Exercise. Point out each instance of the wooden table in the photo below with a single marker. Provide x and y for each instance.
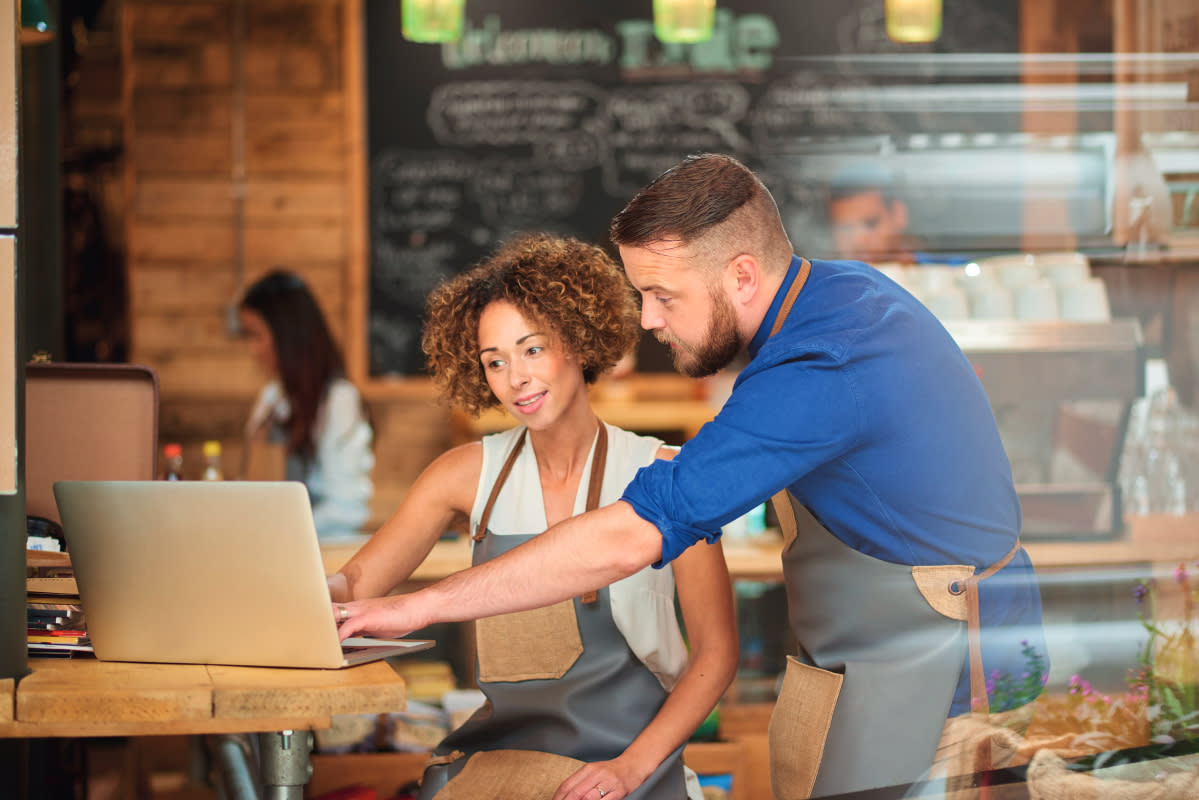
(84, 697)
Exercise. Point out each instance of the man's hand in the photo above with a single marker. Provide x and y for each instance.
(388, 617)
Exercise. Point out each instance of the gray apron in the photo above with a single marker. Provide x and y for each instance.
(881, 647)
(560, 680)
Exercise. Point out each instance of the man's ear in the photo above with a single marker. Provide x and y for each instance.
(743, 278)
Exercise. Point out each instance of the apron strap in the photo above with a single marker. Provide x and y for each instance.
(785, 514)
(781, 502)
(598, 463)
(979, 702)
(481, 529)
(805, 269)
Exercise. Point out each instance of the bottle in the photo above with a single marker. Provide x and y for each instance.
(212, 461)
(173, 456)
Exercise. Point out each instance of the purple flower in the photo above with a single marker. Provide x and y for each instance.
(1140, 592)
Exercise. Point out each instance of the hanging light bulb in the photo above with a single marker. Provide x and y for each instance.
(432, 21)
(912, 21)
(37, 24)
(684, 21)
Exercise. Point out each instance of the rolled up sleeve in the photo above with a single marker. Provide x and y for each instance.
(778, 424)
(650, 494)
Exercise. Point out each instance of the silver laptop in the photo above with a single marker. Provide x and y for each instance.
(206, 572)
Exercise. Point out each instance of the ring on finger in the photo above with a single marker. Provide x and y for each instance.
(601, 791)
(344, 615)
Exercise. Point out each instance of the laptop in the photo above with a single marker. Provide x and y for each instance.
(206, 572)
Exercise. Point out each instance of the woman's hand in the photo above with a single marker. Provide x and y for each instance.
(386, 617)
(609, 780)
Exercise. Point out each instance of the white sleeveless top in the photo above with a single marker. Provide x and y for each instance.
(643, 603)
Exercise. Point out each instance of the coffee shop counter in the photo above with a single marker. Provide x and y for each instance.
(1162, 540)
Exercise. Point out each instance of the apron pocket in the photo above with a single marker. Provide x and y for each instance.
(510, 775)
(539, 644)
(799, 726)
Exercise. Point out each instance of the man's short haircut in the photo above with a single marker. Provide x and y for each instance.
(706, 196)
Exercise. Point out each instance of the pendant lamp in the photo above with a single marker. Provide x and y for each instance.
(37, 23)
(913, 21)
(683, 21)
(432, 21)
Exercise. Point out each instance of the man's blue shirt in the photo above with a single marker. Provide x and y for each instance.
(868, 411)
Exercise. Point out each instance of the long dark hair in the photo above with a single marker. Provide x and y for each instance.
(306, 356)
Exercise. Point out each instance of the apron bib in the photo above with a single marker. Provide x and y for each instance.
(865, 629)
(559, 680)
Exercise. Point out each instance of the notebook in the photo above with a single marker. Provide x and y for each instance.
(206, 572)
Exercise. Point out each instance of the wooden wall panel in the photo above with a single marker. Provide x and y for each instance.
(170, 197)
(182, 66)
(223, 374)
(180, 153)
(300, 67)
(297, 198)
(201, 225)
(191, 240)
(295, 134)
(170, 331)
(180, 287)
(166, 22)
(207, 113)
(290, 242)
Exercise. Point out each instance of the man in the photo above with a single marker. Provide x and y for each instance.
(860, 412)
(868, 219)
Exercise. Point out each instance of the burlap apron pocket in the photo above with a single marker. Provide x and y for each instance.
(510, 775)
(540, 644)
(799, 726)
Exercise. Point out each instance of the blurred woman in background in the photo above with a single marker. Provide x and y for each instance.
(309, 407)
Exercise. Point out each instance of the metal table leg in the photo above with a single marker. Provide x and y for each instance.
(286, 766)
(267, 766)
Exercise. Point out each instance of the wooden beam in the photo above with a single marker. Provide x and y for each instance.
(357, 244)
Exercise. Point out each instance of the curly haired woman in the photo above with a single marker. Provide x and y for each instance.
(605, 680)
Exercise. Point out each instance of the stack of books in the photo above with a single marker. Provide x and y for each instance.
(55, 628)
(55, 624)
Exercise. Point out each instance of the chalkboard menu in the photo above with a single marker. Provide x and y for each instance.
(550, 115)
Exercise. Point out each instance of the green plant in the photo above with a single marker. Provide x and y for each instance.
(1006, 692)
(1169, 670)
(1156, 718)
(1163, 695)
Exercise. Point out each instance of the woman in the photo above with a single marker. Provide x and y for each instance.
(309, 407)
(604, 679)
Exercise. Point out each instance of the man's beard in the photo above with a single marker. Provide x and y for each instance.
(720, 345)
